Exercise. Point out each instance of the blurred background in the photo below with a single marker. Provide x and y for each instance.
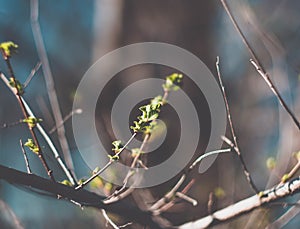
(77, 33)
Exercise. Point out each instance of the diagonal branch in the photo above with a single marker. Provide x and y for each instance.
(246, 205)
(235, 144)
(34, 10)
(83, 197)
(42, 132)
(259, 67)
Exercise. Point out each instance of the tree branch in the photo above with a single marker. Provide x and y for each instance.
(84, 197)
(259, 67)
(246, 205)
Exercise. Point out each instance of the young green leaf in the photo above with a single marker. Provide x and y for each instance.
(117, 146)
(173, 82)
(16, 84)
(158, 100)
(136, 151)
(97, 182)
(285, 177)
(114, 157)
(67, 183)
(219, 192)
(149, 112)
(271, 163)
(8, 47)
(33, 147)
(32, 121)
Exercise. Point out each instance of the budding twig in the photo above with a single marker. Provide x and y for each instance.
(18, 94)
(25, 158)
(259, 67)
(106, 166)
(236, 147)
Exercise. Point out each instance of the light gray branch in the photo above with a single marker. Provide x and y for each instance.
(246, 205)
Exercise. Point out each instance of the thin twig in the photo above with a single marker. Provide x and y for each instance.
(259, 67)
(166, 198)
(293, 171)
(5, 125)
(34, 14)
(199, 159)
(42, 132)
(26, 115)
(120, 196)
(236, 148)
(156, 208)
(186, 198)
(210, 202)
(80, 186)
(67, 117)
(275, 91)
(125, 225)
(77, 204)
(130, 172)
(171, 202)
(25, 158)
(32, 73)
(134, 162)
(108, 220)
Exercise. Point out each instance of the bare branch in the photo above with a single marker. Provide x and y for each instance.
(67, 117)
(199, 159)
(246, 205)
(236, 147)
(108, 220)
(42, 132)
(32, 73)
(18, 93)
(155, 207)
(85, 198)
(25, 158)
(259, 67)
(34, 13)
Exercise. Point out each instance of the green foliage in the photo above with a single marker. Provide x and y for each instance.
(173, 82)
(8, 48)
(261, 194)
(32, 146)
(81, 181)
(96, 170)
(114, 157)
(136, 151)
(67, 183)
(219, 192)
(285, 177)
(117, 146)
(108, 187)
(271, 163)
(150, 112)
(158, 100)
(32, 121)
(96, 183)
(16, 84)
